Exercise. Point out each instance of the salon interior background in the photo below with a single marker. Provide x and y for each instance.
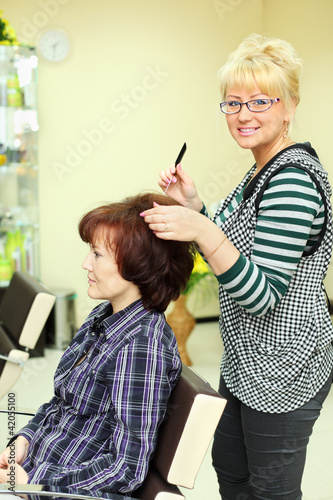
(140, 79)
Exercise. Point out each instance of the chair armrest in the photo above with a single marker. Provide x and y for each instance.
(11, 370)
(16, 361)
(15, 412)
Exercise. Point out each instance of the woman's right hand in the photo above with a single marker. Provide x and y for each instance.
(182, 188)
(21, 449)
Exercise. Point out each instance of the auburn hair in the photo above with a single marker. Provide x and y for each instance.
(159, 268)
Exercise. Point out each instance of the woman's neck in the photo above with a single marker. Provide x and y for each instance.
(262, 156)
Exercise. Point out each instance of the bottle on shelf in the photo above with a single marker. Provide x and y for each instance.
(19, 251)
(10, 247)
(5, 271)
(3, 156)
(29, 254)
(14, 92)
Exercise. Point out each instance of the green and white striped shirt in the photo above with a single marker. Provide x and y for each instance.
(289, 222)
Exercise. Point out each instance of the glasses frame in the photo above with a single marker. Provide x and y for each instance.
(272, 101)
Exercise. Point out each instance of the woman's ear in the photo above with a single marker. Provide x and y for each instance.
(290, 111)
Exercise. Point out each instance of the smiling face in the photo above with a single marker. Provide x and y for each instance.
(263, 132)
(105, 281)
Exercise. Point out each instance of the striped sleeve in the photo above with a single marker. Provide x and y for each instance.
(290, 218)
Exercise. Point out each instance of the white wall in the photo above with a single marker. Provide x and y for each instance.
(116, 45)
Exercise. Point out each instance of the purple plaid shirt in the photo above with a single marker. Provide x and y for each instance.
(99, 430)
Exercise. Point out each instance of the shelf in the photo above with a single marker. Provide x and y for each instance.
(19, 211)
(15, 166)
(15, 108)
(21, 225)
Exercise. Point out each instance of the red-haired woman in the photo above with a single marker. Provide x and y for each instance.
(113, 382)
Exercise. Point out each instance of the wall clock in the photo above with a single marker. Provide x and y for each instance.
(54, 45)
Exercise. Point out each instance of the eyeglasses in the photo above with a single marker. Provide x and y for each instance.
(256, 105)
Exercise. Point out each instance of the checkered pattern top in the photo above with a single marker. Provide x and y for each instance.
(275, 326)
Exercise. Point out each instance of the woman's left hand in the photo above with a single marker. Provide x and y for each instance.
(13, 473)
(176, 223)
(184, 224)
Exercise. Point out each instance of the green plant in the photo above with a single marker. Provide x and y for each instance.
(7, 32)
(200, 271)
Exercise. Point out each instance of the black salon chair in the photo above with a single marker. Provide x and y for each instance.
(24, 309)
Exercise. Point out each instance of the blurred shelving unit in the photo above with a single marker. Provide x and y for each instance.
(19, 227)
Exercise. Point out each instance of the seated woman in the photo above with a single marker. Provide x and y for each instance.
(113, 382)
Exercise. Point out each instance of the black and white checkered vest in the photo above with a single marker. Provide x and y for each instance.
(276, 363)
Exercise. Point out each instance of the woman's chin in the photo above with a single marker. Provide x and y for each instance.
(90, 293)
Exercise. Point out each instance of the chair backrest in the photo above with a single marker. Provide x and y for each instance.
(24, 309)
(194, 411)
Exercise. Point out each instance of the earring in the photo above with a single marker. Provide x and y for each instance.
(286, 131)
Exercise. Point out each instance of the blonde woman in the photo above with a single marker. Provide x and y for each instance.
(269, 245)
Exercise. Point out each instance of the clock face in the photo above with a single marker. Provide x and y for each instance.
(54, 45)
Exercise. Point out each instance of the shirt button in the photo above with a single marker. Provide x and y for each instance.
(93, 334)
(84, 352)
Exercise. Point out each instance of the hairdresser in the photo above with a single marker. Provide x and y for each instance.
(269, 245)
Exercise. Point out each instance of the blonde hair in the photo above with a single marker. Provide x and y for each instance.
(268, 63)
